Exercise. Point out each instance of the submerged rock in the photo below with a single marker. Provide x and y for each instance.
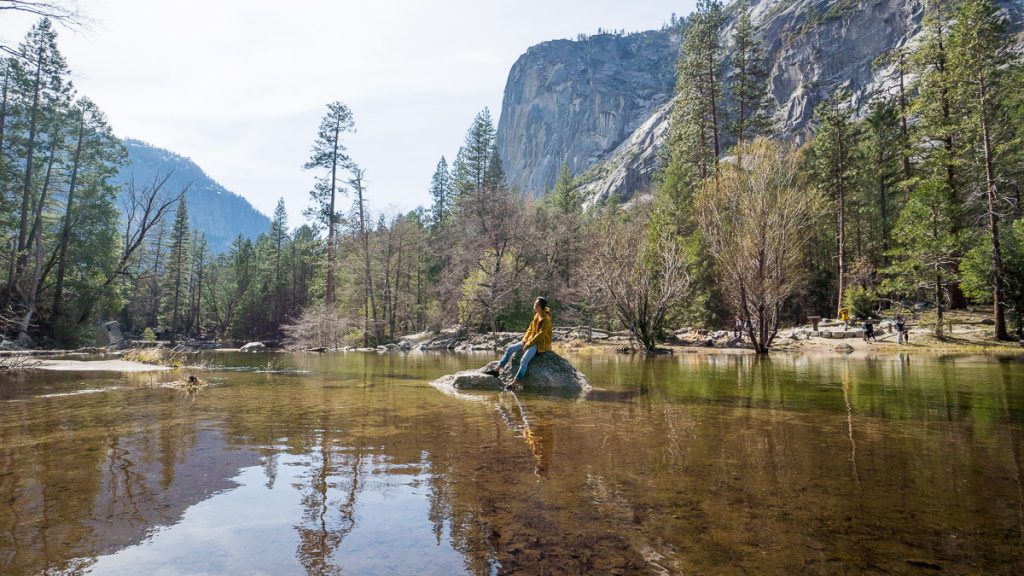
(547, 371)
(470, 380)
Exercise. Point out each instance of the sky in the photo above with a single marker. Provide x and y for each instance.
(240, 86)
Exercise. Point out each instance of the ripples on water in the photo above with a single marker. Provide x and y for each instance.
(322, 464)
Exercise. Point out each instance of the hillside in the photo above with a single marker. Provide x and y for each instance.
(601, 103)
(219, 213)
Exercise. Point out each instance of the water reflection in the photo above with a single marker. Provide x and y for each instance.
(689, 464)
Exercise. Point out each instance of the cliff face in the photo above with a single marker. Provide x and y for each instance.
(575, 102)
(813, 47)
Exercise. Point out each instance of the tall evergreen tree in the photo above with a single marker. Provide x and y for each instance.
(979, 52)
(937, 132)
(564, 196)
(441, 193)
(41, 93)
(833, 152)
(883, 156)
(329, 154)
(178, 269)
(693, 143)
(279, 246)
(473, 164)
(747, 82)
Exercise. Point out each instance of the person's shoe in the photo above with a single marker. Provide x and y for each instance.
(513, 386)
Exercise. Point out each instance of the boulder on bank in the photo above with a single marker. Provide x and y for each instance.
(547, 371)
(254, 347)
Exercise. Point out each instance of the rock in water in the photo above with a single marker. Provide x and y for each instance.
(547, 371)
(254, 347)
(470, 380)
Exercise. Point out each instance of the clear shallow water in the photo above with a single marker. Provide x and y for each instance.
(352, 463)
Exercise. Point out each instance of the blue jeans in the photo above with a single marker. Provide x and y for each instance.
(523, 362)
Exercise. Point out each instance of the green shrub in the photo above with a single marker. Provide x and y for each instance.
(148, 335)
(860, 302)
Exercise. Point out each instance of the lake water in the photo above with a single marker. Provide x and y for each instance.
(352, 463)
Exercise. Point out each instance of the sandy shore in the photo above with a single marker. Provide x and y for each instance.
(124, 366)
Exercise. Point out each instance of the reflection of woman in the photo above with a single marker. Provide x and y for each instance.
(539, 436)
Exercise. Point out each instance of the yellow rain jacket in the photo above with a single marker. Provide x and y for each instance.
(539, 332)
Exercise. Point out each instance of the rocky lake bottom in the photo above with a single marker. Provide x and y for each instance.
(352, 462)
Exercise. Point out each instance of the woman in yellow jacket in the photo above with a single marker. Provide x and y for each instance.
(537, 339)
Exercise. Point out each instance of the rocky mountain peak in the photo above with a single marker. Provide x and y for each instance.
(601, 104)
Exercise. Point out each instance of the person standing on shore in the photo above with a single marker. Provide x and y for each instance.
(869, 331)
(536, 340)
(902, 335)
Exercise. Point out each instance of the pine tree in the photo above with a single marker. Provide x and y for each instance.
(94, 161)
(937, 132)
(473, 163)
(925, 250)
(329, 154)
(200, 252)
(693, 142)
(362, 217)
(40, 95)
(279, 246)
(979, 53)
(440, 194)
(564, 196)
(833, 154)
(177, 269)
(748, 82)
(883, 155)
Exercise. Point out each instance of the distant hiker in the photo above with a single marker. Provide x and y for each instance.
(537, 340)
(737, 328)
(869, 331)
(902, 335)
(844, 317)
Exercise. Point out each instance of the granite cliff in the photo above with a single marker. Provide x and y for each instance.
(576, 101)
(601, 103)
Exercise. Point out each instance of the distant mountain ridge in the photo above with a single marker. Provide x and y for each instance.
(216, 211)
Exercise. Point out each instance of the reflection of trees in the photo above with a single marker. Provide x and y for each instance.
(325, 523)
(1013, 431)
(723, 465)
(80, 476)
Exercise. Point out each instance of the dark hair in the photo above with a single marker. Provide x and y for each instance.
(543, 302)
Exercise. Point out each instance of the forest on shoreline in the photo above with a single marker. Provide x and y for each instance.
(916, 199)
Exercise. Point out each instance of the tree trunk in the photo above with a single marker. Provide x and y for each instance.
(65, 233)
(712, 84)
(329, 292)
(841, 232)
(904, 131)
(998, 306)
(26, 193)
(957, 300)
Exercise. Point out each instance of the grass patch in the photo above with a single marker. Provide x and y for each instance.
(157, 356)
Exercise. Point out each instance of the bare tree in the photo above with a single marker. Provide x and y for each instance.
(756, 226)
(64, 13)
(639, 278)
(143, 208)
(319, 326)
(494, 233)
